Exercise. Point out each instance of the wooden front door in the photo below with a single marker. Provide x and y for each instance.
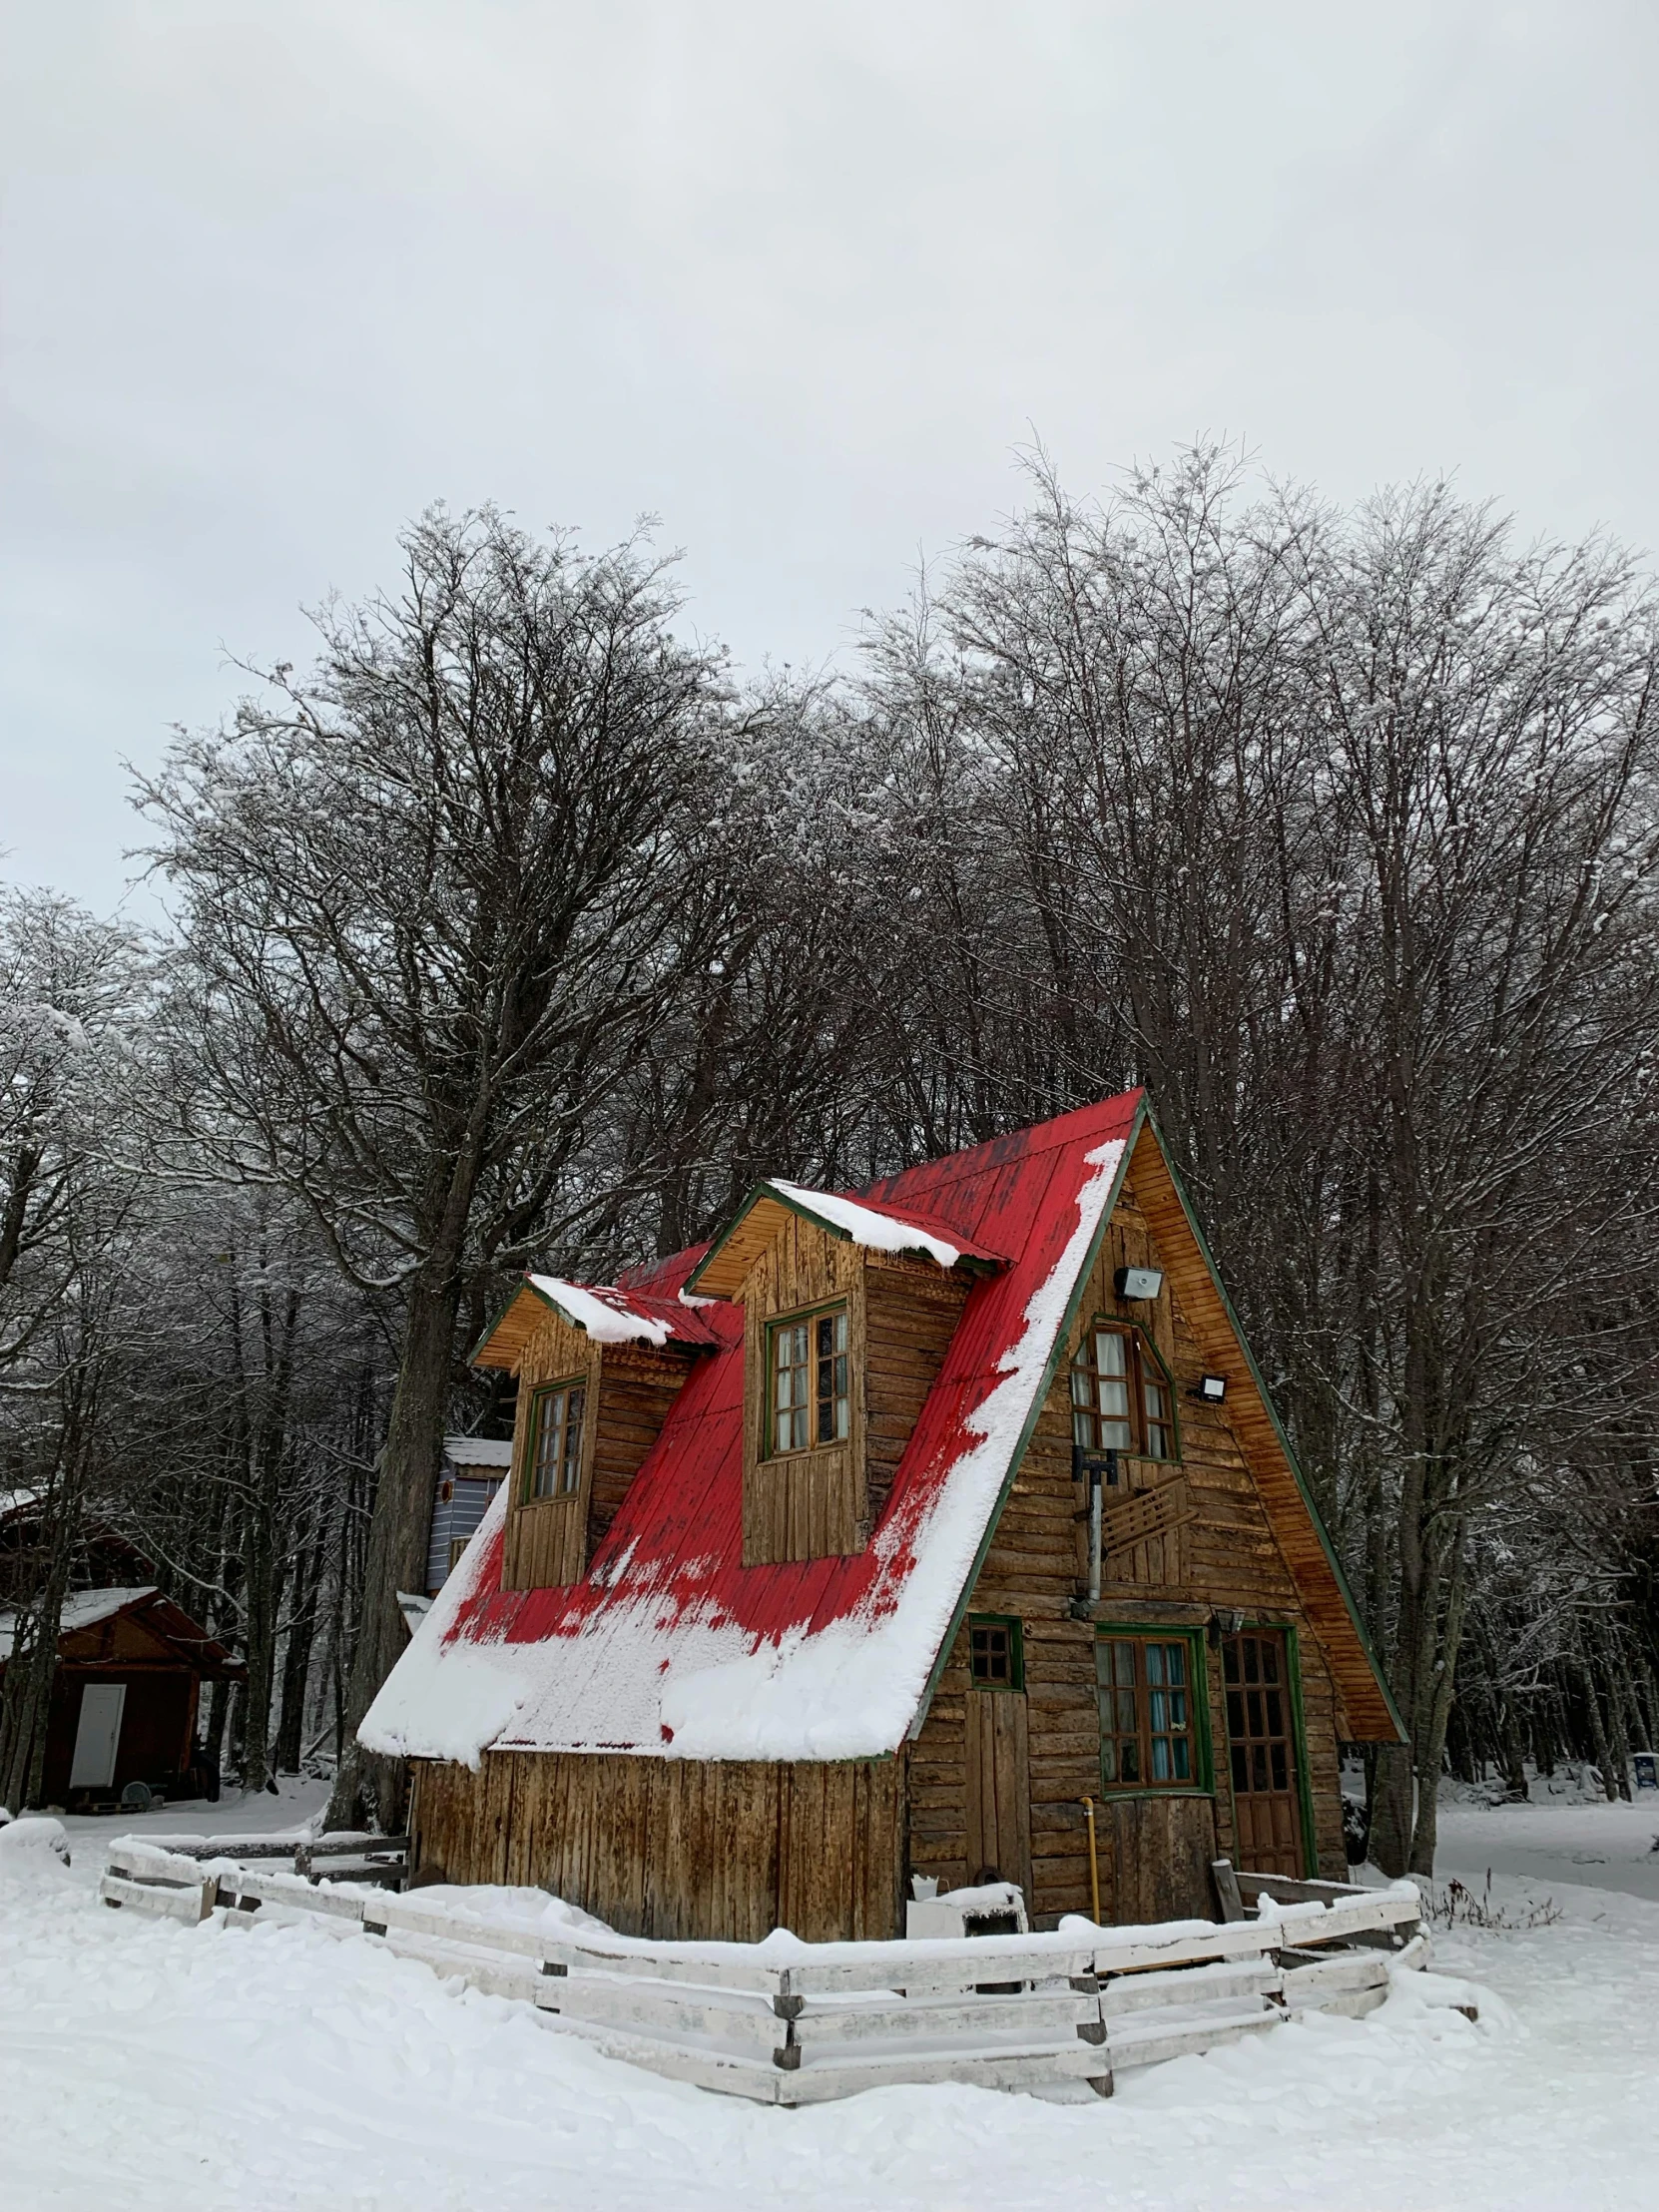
(1000, 1786)
(1261, 1748)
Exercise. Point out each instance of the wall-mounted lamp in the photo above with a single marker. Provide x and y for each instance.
(1138, 1282)
(1212, 1388)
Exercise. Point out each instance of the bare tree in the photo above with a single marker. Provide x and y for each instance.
(427, 903)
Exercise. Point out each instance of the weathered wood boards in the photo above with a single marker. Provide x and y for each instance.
(821, 2021)
(679, 1848)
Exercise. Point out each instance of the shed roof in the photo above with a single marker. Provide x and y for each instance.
(84, 1610)
(671, 1647)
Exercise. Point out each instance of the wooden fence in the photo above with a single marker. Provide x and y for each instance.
(791, 2023)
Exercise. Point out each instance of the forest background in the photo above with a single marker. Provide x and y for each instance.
(523, 927)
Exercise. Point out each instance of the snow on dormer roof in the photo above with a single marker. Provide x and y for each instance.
(872, 1223)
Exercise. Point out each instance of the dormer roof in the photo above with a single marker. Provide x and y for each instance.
(898, 1230)
(605, 1312)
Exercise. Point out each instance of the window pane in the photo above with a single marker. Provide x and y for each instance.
(1281, 1778)
(1270, 1662)
(1123, 1662)
(1129, 1759)
(1182, 1761)
(1109, 1760)
(1160, 1759)
(1155, 1662)
(1252, 1660)
(1126, 1710)
(1230, 1661)
(575, 1403)
(1176, 1658)
(1241, 1770)
(1111, 1352)
(1159, 1702)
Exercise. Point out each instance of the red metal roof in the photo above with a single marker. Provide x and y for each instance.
(671, 1644)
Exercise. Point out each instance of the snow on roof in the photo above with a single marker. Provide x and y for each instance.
(606, 1314)
(870, 1226)
(81, 1609)
(875, 1224)
(670, 1646)
(638, 1311)
(480, 1451)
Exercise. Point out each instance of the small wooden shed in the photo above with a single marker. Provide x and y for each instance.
(126, 1693)
(934, 1529)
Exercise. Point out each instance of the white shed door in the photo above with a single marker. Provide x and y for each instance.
(97, 1735)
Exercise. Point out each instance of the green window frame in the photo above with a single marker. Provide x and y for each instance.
(996, 1652)
(1123, 1397)
(809, 1381)
(553, 1457)
(1150, 1722)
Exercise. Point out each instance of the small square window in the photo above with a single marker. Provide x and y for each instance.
(996, 1658)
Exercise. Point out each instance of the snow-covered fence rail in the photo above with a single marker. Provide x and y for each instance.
(787, 2022)
(346, 1855)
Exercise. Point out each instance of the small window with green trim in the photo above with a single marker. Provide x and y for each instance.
(1150, 1724)
(997, 1653)
(556, 1416)
(809, 1385)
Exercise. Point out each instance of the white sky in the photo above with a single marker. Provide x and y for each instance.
(799, 278)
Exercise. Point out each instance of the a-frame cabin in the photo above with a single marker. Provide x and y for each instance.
(794, 1592)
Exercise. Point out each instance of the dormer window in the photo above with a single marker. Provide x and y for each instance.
(1120, 1397)
(556, 1441)
(811, 1399)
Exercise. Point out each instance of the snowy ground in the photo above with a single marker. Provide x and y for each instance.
(144, 2064)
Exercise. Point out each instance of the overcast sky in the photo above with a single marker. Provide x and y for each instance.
(799, 278)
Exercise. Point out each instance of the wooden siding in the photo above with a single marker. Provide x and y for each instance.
(673, 1847)
(805, 1504)
(629, 1389)
(900, 1315)
(634, 1392)
(1154, 1850)
(911, 1311)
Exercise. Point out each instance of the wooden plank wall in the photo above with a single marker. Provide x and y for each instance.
(911, 1311)
(629, 1389)
(676, 1847)
(811, 1504)
(1154, 1851)
(636, 1387)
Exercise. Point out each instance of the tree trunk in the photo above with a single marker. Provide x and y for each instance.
(399, 1528)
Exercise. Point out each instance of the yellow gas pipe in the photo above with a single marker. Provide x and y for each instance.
(1094, 1860)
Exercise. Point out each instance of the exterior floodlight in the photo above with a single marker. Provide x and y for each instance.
(1138, 1282)
(1212, 1388)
